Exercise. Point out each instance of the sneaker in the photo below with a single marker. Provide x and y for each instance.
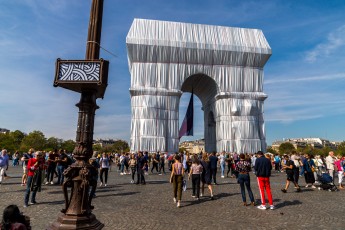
(201, 195)
(283, 190)
(174, 200)
(222, 176)
(132, 181)
(52, 182)
(178, 204)
(307, 186)
(121, 174)
(272, 207)
(262, 207)
(32, 203)
(193, 196)
(105, 185)
(25, 205)
(100, 185)
(47, 182)
(313, 186)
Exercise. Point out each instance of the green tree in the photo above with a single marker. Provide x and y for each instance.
(286, 147)
(35, 139)
(53, 143)
(271, 150)
(7, 142)
(120, 146)
(68, 145)
(17, 137)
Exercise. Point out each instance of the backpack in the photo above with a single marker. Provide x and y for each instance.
(69, 160)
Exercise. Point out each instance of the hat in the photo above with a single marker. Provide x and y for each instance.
(260, 153)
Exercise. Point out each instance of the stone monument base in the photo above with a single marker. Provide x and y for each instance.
(76, 222)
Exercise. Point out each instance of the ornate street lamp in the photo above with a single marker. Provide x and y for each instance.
(88, 77)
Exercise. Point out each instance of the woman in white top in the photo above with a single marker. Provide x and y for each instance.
(104, 163)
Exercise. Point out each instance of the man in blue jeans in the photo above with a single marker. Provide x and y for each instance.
(62, 164)
(213, 166)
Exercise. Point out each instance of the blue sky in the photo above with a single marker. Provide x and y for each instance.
(304, 78)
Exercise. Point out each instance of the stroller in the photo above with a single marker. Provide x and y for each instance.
(326, 182)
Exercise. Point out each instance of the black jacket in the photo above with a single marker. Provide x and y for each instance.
(263, 167)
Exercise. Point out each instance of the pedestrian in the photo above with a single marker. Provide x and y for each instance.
(263, 169)
(35, 168)
(94, 175)
(340, 168)
(176, 178)
(132, 166)
(277, 163)
(13, 219)
(222, 163)
(213, 167)
(161, 164)
(206, 175)
(243, 167)
(295, 157)
(309, 168)
(141, 168)
(25, 160)
(330, 164)
(15, 159)
(4, 161)
(195, 173)
(104, 164)
(155, 162)
(289, 167)
(229, 161)
(62, 164)
(51, 161)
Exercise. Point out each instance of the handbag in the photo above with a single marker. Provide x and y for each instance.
(312, 168)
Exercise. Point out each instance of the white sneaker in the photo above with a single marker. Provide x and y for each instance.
(47, 182)
(121, 174)
(313, 186)
(105, 185)
(200, 194)
(52, 182)
(262, 207)
(175, 200)
(222, 176)
(100, 185)
(178, 204)
(132, 181)
(307, 186)
(272, 207)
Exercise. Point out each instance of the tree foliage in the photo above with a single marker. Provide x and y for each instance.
(286, 147)
(35, 140)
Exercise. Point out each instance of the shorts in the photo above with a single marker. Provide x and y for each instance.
(290, 177)
(25, 169)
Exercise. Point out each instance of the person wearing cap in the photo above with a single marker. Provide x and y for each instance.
(263, 169)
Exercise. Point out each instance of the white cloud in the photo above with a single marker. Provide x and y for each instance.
(335, 40)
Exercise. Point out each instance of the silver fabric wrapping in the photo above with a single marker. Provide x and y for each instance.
(223, 66)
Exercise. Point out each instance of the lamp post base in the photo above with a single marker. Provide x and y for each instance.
(76, 222)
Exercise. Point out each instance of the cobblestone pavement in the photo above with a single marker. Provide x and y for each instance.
(122, 205)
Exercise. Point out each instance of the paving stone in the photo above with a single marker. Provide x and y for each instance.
(122, 205)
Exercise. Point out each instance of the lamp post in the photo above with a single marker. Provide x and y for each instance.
(88, 77)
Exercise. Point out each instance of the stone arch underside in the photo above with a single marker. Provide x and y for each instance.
(163, 56)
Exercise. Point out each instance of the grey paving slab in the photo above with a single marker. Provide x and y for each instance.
(122, 205)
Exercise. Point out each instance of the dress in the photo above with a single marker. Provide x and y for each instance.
(206, 173)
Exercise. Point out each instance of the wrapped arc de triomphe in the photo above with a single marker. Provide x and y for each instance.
(222, 65)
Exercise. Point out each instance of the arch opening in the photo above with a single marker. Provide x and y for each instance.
(205, 88)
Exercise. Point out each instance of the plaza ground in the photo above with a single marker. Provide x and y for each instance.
(122, 205)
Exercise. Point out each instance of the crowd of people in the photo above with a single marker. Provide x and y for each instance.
(41, 168)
